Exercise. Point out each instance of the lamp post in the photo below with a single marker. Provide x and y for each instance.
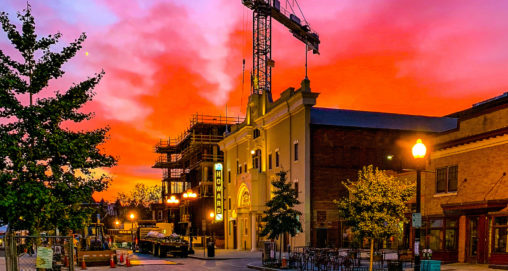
(211, 215)
(131, 218)
(188, 196)
(419, 150)
(172, 202)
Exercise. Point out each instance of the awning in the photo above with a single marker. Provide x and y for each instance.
(474, 207)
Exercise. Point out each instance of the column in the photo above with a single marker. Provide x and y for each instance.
(253, 232)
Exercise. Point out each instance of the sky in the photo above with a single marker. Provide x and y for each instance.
(168, 59)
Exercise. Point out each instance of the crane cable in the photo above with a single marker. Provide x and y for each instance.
(243, 58)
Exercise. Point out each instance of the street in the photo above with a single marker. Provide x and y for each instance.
(225, 260)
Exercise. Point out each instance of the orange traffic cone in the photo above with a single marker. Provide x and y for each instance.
(111, 262)
(121, 259)
(83, 264)
(127, 261)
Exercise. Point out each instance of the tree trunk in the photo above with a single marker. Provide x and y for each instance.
(280, 253)
(11, 255)
(371, 253)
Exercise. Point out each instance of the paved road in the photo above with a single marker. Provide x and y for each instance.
(150, 263)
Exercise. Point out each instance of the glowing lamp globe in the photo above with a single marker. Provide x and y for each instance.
(419, 149)
(212, 214)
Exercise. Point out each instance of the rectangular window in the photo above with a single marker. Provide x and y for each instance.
(296, 151)
(238, 169)
(451, 234)
(447, 179)
(230, 226)
(229, 204)
(245, 167)
(270, 161)
(296, 188)
(500, 234)
(229, 176)
(277, 159)
(436, 234)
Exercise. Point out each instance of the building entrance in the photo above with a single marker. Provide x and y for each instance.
(476, 242)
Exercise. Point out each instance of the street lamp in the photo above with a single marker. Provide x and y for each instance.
(189, 195)
(419, 150)
(131, 217)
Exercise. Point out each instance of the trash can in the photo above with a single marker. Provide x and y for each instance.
(430, 265)
(211, 248)
(394, 266)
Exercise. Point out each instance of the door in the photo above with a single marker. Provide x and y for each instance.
(477, 229)
(321, 237)
(235, 236)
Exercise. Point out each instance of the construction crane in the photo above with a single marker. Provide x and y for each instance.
(262, 63)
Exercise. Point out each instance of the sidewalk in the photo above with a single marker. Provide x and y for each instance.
(225, 254)
(446, 267)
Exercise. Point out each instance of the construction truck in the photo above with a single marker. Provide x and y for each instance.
(94, 246)
(151, 239)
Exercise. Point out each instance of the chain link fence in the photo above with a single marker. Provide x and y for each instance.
(28, 253)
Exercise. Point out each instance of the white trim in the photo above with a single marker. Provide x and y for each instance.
(482, 144)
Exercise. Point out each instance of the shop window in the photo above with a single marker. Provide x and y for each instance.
(446, 179)
(500, 234)
(451, 234)
(435, 235)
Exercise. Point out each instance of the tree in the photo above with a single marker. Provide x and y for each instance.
(47, 171)
(280, 217)
(141, 195)
(376, 205)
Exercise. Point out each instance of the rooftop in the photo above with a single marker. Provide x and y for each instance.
(378, 120)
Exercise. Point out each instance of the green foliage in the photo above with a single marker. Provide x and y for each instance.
(280, 217)
(142, 195)
(47, 171)
(376, 203)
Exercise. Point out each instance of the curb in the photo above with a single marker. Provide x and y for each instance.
(211, 258)
(251, 266)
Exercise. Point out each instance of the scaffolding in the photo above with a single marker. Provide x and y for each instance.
(187, 161)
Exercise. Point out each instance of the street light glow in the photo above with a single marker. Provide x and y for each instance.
(117, 222)
(131, 216)
(212, 214)
(173, 200)
(419, 149)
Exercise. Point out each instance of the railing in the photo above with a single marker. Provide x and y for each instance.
(197, 119)
(343, 259)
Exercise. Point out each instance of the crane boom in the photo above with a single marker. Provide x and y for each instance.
(263, 12)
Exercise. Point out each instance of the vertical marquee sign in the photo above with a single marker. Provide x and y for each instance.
(218, 192)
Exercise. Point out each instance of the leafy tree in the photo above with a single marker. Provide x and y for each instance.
(47, 174)
(280, 217)
(376, 205)
(141, 195)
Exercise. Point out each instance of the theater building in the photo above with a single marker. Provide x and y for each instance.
(319, 148)
(465, 188)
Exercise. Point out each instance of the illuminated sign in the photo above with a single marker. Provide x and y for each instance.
(218, 188)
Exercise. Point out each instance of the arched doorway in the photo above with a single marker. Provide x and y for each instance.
(243, 219)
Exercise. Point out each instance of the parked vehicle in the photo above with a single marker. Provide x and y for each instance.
(152, 240)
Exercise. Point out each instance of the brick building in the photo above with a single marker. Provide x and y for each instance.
(465, 194)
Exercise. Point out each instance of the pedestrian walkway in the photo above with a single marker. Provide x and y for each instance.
(465, 267)
(226, 254)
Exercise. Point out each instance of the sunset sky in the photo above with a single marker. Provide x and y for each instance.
(165, 60)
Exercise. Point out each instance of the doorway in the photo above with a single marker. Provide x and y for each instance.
(235, 237)
(476, 242)
(321, 237)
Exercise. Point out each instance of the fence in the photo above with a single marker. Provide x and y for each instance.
(49, 252)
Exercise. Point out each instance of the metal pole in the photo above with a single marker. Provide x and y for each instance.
(418, 210)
